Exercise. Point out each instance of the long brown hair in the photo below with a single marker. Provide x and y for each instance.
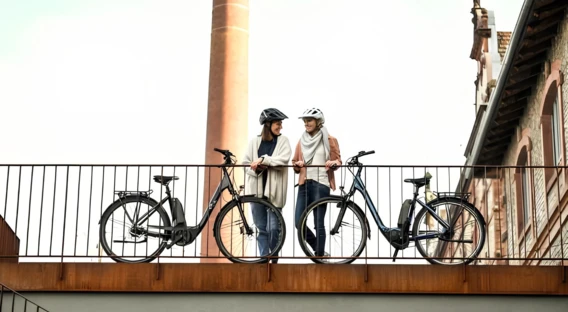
(266, 133)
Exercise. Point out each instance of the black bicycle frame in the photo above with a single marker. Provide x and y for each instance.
(224, 184)
(359, 185)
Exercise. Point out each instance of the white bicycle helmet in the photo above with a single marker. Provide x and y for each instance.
(313, 113)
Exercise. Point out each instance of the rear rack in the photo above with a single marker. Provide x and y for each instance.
(464, 196)
(133, 193)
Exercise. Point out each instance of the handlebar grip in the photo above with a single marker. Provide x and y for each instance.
(363, 153)
(224, 152)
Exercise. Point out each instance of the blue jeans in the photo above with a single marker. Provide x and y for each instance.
(268, 228)
(308, 193)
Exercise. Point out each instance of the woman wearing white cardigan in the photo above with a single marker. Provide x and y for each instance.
(265, 178)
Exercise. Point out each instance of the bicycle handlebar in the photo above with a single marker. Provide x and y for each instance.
(354, 161)
(226, 155)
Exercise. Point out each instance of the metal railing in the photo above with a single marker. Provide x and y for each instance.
(51, 213)
(11, 300)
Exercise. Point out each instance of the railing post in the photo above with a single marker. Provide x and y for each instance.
(158, 269)
(268, 269)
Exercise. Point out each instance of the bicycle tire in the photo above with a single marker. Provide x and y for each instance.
(472, 210)
(121, 257)
(245, 257)
(333, 202)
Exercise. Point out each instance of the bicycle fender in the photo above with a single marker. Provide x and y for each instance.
(120, 199)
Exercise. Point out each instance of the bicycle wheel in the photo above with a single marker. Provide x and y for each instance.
(123, 241)
(239, 246)
(462, 243)
(343, 246)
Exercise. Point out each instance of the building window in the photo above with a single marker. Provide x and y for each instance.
(524, 186)
(526, 190)
(552, 126)
(556, 146)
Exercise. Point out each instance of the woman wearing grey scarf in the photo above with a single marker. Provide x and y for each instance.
(316, 158)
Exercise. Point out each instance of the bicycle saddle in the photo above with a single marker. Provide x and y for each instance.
(164, 179)
(418, 182)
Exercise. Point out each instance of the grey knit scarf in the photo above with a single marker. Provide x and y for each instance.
(309, 144)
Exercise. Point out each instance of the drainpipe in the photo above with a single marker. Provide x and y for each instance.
(495, 101)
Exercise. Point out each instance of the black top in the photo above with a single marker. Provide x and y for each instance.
(267, 148)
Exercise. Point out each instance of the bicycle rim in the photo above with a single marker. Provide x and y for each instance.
(341, 247)
(462, 245)
(125, 243)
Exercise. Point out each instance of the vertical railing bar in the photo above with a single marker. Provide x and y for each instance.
(184, 205)
(376, 206)
(13, 295)
(390, 210)
(41, 210)
(6, 199)
(124, 213)
(525, 254)
(449, 217)
(29, 210)
(499, 205)
(18, 200)
(53, 211)
(149, 187)
(172, 208)
(438, 189)
(135, 217)
(171, 216)
(113, 199)
(548, 225)
(293, 212)
(486, 201)
(560, 228)
(99, 254)
(401, 184)
(65, 214)
(511, 211)
(77, 216)
(90, 206)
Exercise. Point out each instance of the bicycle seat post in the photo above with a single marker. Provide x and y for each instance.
(168, 192)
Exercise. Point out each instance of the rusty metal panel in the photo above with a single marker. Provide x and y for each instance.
(9, 243)
(291, 278)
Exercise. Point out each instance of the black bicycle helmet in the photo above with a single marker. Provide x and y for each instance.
(271, 114)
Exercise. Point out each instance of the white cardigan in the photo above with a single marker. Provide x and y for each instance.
(277, 181)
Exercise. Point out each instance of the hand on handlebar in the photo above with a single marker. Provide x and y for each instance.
(331, 164)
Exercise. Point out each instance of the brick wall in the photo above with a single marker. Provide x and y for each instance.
(531, 121)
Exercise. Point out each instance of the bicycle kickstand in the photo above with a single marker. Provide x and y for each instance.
(394, 255)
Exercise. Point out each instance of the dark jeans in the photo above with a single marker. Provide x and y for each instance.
(307, 194)
(268, 228)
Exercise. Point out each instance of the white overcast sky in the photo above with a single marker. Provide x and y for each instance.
(112, 81)
(126, 82)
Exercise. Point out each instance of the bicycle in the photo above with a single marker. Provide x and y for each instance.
(444, 220)
(138, 217)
